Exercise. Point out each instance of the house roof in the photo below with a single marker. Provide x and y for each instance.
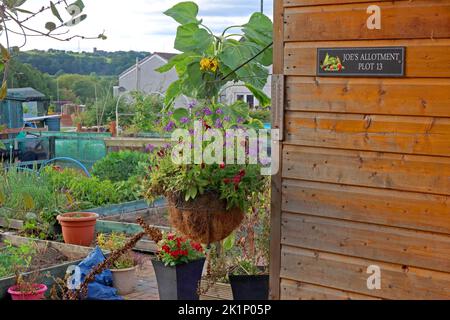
(166, 56)
(26, 94)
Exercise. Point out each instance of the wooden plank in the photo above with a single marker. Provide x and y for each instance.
(75, 254)
(278, 105)
(293, 290)
(218, 291)
(399, 134)
(400, 20)
(275, 218)
(389, 244)
(103, 226)
(424, 58)
(350, 274)
(11, 224)
(304, 3)
(418, 97)
(370, 169)
(384, 207)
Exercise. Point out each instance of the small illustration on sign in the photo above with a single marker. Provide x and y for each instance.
(361, 62)
(332, 64)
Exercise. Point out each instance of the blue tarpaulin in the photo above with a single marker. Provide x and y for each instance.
(102, 288)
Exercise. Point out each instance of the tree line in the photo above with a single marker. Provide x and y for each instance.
(100, 62)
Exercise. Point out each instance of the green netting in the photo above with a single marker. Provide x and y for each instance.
(87, 148)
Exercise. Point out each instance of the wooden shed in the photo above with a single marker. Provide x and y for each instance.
(363, 193)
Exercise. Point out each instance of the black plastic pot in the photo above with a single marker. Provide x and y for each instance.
(180, 282)
(250, 287)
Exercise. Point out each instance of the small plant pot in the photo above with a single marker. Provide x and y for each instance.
(204, 219)
(38, 294)
(78, 228)
(124, 280)
(250, 287)
(180, 282)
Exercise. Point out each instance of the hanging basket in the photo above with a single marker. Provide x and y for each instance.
(204, 219)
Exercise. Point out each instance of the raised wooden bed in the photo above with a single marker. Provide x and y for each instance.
(219, 291)
(75, 255)
(126, 208)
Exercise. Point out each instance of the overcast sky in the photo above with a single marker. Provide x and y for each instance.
(139, 24)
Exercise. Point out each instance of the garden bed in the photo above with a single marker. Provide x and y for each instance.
(54, 258)
(155, 214)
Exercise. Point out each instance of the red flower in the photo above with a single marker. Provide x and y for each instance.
(237, 180)
(222, 166)
(171, 236)
(166, 248)
(206, 125)
(197, 246)
(242, 173)
(226, 181)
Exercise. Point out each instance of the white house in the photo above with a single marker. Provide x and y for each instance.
(143, 77)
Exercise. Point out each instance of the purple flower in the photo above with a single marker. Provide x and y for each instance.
(265, 161)
(150, 148)
(170, 113)
(227, 119)
(170, 126)
(219, 111)
(192, 104)
(240, 120)
(207, 111)
(197, 114)
(218, 124)
(191, 132)
(184, 120)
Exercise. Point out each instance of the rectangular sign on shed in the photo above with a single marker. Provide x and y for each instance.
(361, 62)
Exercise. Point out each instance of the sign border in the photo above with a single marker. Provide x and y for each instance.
(372, 75)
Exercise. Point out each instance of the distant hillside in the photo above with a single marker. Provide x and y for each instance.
(100, 62)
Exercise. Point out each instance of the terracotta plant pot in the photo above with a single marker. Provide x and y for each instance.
(78, 227)
(124, 280)
(38, 294)
(179, 282)
(204, 219)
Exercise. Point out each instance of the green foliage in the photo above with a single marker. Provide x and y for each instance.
(233, 183)
(261, 115)
(92, 192)
(115, 241)
(15, 258)
(208, 61)
(147, 113)
(120, 166)
(100, 62)
(21, 196)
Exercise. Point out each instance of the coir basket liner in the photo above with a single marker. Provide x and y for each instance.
(204, 219)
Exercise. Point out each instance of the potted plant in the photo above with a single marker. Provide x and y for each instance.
(124, 268)
(178, 267)
(20, 260)
(206, 202)
(27, 289)
(242, 259)
(78, 227)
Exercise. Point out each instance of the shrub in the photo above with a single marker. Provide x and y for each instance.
(92, 192)
(119, 166)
